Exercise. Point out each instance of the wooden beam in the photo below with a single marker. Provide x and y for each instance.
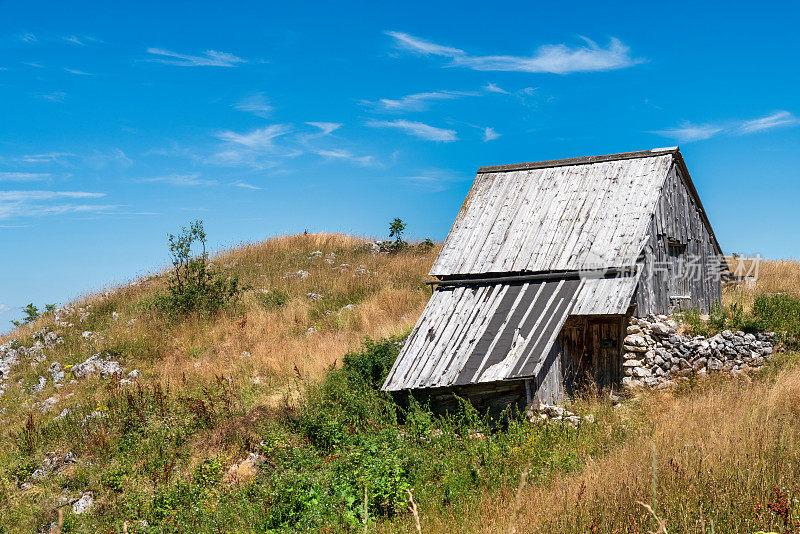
(555, 275)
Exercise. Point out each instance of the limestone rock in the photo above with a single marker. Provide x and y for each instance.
(84, 504)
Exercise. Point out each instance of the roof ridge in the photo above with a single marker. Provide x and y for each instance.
(583, 160)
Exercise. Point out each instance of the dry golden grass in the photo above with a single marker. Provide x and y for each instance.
(774, 276)
(721, 449)
(266, 340)
(386, 293)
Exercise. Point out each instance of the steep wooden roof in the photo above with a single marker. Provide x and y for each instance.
(560, 215)
(484, 332)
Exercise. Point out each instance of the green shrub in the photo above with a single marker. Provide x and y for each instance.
(426, 245)
(396, 228)
(275, 298)
(193, 285)
(31, 314)
(373, 363)
(734, 317)
(780, 313)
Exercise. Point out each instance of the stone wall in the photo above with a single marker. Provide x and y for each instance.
(657, 356)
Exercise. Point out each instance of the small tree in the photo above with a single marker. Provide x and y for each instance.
(31, 314)
(396, 228)
(193, 285)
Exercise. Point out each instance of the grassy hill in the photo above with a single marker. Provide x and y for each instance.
(267, 417)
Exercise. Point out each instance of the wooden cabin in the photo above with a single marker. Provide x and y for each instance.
(542, 269)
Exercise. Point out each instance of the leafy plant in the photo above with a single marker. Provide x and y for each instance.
(396, 229)
(31, 314)
(426, 245)
(193, 285)
(275, 298)
(780, 313)
(734, 317)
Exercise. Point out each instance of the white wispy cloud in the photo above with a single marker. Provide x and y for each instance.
(24, 176)
(55, 96)
(325, 128)
(81, 40)
(773, 120)
(36, 203)
(494, 88)
(245, 185)
(551, 58)
(688, 132)
(28, 38)
(346, 155)
(210, 58)
(194, 180)
(432, 180)
(56, 209)
(275, 145)
(78, 72)
(256, 149)
(416, 101)
(314, 143)
(4, 308)
(181, 180)
(490, 134)
(110, 157)
(258, 139)
(16, 196)
(49, 157)
(418, 129)
(257, 104)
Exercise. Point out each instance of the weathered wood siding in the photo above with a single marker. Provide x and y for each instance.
(592, 351)
(677, 220)
(492, 398)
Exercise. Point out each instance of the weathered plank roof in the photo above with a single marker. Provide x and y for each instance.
(573, 214)
(605, 296)
(488, 332)
(482, 333)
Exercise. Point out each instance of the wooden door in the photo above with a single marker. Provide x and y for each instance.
(605, 344)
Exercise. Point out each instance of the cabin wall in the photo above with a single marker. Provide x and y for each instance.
(493, 397)
(677, 221)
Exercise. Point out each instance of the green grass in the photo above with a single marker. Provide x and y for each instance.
(343, 438)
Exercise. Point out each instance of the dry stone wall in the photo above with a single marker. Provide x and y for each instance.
(657, 356)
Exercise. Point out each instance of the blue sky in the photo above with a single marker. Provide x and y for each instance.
(121, 121)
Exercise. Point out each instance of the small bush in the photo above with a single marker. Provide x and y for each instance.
(275, 298)
(780, 313)
(31, 314)
(193, 285)
(734, 317)
(374, 361)
(426, 245)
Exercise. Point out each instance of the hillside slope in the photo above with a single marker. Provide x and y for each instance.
(267, 418)
(313, 298)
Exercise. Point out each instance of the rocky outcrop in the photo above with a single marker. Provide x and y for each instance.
(96, 365)
(547, 413)
(656, 355)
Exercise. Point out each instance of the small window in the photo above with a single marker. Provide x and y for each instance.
(679, 270)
